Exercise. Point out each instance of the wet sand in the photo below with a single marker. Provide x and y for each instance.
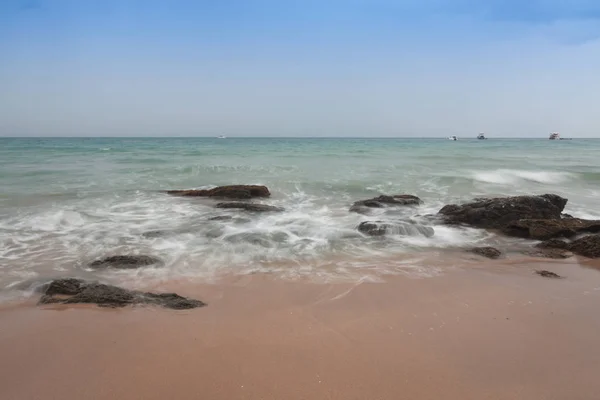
(497, 331)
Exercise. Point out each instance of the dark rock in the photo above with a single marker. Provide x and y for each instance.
(154, 234)
(68, 286)
(385, 201)
(251, 207)
(543, 229)
(496, 213)
(553, 244)
(558, 254)
(547, 274)
(378, 228)
(77, 291)
(124, 262)
(221, 218)
(240, 192)
(587, 246)
(373, 228)
(489, 252)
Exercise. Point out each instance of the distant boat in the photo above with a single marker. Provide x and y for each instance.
(554, 136)
(453, 137)
(481, 136)
(221, 137)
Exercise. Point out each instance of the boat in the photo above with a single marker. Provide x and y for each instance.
(453, 137)
(554, 136)
(221, 137)
(481, 136)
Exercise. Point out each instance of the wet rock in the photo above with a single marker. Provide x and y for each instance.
(68, 286)
(124, 262)
(154, 234)
(379, 228)
(385, 201)
(553, 244)
(77, 291)
(557, 254)
(547, 274)
(254, 207)
(587, 246)
(373, 228)
(489, 252)
(497, 213)
(221, 218)
(240, 192)
(543, 229)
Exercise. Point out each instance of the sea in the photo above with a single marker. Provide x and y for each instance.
(65, 202)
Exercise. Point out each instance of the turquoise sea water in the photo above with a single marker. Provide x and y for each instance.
(67, 201)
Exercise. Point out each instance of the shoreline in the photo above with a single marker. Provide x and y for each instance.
(494, 331)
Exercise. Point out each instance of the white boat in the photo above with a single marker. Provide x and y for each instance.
(554, 136)
(453, 137)
(481, 136)
(221, 137)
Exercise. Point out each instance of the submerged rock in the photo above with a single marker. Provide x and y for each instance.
(543, 229)
(379, 228)
(553, 244)
(587, 246)
(240, 192)
(78, 291)
(489, 252)
(251, 207)
(155, 234)
(547, 274)
(549, 253)
(497, 213)
(125, 262)
(221, 218)
(385, 201)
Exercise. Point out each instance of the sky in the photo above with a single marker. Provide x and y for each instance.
(368, 68)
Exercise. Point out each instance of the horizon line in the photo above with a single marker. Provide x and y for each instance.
(281, 137)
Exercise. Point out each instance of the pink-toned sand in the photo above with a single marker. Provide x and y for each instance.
(495, 332)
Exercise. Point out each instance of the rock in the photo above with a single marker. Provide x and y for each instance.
(547, 274)
(587, 246)
(543, 229)
(240, 192)
(553, 244)
(558, 254)
(251, 207)
(68, 286)
(154, 234)
(221, 218)
(385, 201)
(496, 213)
(124, 262)
(79, 291)
(378, 228)
(553, 248)
(489, 252)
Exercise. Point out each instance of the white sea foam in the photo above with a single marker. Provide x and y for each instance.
(512, 177)
(67, 206)
(308, 239)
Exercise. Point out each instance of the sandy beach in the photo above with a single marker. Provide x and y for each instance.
(497, 331)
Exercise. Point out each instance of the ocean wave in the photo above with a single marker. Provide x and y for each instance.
(511, 176)
(66, 237)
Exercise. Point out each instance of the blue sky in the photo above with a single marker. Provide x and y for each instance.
(299, 68)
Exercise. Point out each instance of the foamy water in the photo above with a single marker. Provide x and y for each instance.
(67, 202)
